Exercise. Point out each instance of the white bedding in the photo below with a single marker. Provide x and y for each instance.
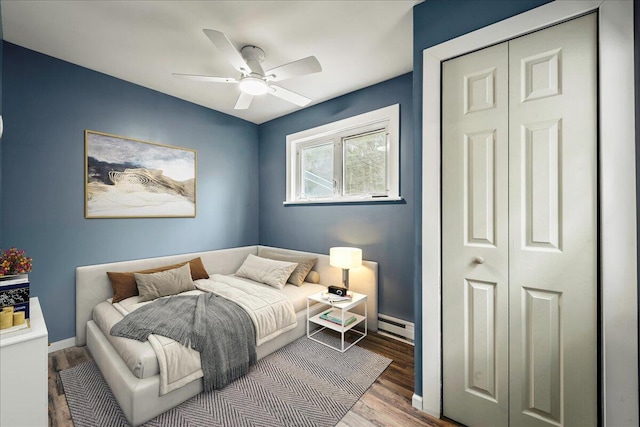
(178, 365)
(273, 314)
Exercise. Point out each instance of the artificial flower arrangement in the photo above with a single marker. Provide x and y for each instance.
(14, 261)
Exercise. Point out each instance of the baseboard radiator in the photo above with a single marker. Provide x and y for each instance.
(395, 328)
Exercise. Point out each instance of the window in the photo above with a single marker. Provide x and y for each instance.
(352, 160)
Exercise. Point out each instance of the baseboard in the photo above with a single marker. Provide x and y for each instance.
(61, 345)
(416, 402)
(396, 328)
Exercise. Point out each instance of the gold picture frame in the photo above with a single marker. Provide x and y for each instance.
(130, 178)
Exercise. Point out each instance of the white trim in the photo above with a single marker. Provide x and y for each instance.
(431, 238)
(61, 345)
(618, 232)
(344, 200)
(416, 402)
(389, 116)
(618, 246)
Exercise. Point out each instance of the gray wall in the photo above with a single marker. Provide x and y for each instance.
(48, 104)
(383, 231)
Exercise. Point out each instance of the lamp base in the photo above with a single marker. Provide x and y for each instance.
(345, 278)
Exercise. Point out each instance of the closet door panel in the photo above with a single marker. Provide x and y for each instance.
(553, 226)
(475, 240)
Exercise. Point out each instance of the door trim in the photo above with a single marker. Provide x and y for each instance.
(617, 198)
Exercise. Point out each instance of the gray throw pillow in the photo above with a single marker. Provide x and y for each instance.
(164, 283)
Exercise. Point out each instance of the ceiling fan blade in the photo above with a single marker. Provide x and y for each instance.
(301, 67)
(244, 101)
(287, 95)
(211, 79)
(223, 44)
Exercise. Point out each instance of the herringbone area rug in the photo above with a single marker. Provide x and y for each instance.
(302, 384)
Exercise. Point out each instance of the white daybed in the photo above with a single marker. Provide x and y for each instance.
(139, 395)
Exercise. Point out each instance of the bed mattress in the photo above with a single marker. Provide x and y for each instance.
(140, 357)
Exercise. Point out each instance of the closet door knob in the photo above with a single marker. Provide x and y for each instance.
(478, 260)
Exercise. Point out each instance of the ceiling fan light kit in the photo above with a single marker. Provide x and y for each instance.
(254, 80)
(253, 85)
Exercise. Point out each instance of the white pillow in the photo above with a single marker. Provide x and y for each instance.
(164, 283)
(268, 271)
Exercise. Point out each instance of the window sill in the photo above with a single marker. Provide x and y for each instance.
(346, 201)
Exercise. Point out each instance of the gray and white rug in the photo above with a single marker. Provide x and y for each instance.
(302, 384)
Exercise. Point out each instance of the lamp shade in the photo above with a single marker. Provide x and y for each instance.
(345, 258)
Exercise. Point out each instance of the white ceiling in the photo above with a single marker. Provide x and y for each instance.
(358, 43)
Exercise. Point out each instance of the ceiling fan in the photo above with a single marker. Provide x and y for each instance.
(254, 80)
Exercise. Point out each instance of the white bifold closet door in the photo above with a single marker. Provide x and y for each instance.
(519, 222)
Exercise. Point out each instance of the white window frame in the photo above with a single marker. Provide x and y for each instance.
(384, 118)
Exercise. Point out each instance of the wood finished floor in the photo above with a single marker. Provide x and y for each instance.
(387, 403)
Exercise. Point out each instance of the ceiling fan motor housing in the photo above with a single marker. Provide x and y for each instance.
(253, 56)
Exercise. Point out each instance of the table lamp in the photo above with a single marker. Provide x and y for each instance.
(346, 259)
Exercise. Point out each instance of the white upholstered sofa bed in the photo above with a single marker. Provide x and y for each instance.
(136, 383)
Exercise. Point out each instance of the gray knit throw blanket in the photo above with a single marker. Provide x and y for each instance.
(218, 328)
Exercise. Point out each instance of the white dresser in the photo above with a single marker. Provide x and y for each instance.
(23, 374)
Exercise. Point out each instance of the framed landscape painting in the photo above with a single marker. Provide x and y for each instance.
(128, 178)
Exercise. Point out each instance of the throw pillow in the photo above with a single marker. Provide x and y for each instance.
(313, 277)
(305, 264)
(124, 283)
(268, 271)
(164, 283)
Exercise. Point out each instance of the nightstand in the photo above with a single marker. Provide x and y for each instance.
(340, 310)
(24, 373)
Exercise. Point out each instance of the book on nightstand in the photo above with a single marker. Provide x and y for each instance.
(331, 316)
(335, 298)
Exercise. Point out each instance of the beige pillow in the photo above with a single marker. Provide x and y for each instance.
(164, 283)
(124, 284)
(268, 271)
(305, 264)
(313, 277)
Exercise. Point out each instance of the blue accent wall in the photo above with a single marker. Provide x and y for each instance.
(434, 22)
(48, 104)
(383, 231)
